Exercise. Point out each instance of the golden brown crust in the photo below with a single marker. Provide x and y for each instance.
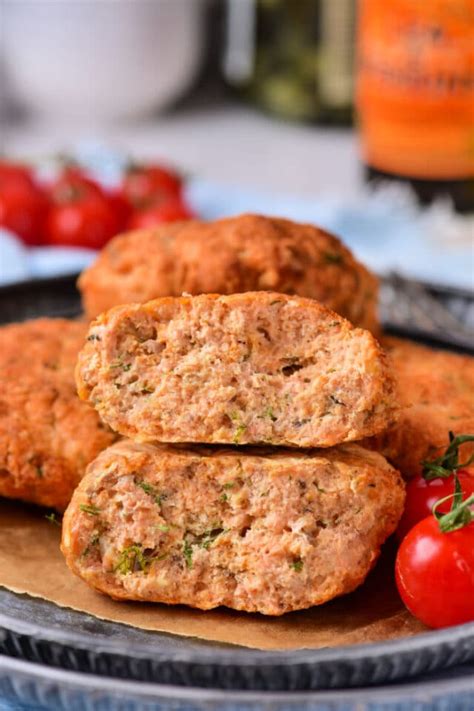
(133, 267)
(245, 253)
(243, 368)
(47, 435)
(266, 531)
(437, 388)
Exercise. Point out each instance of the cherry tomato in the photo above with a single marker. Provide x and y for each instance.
(17, 171)
(166, 211)
(23, 207)
(121, 208)
(73, 184)
(423, 494)
(145, 184)
(87, 222)
(435, 573)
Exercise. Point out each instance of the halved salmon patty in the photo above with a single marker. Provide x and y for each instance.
(248, 368)
(260, 531)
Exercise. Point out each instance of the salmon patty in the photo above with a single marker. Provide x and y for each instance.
(257, 531)
(233, 255)
(132, 267)
(242, 369)
(437, 390)
(47, 435)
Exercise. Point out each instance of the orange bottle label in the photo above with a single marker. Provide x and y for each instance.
(415, 87)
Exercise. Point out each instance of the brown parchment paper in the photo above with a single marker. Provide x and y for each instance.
(31, 562)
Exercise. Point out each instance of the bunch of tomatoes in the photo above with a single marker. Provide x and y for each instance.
(76, 211)
(434, 569)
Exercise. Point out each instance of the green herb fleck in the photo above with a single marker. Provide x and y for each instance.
(297, 565)
(229, 485)
(238, 433)
(134, 559)
(151, 491)
(90, 509)
(92, 543)
(120, 364)
(269, 413)
(147, 488)
(236, 418)
(203, 540)
(333, 258)
(52, 518)
(208, 537)
(164, 528)
(188, 553)
(34, 461)
(223, 497)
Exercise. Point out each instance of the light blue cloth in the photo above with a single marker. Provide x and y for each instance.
(385, 229)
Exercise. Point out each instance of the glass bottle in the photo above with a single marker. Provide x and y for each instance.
(294, 58)
(415, 95)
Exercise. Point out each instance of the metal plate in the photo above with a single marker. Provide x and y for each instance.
(39, 631)
(30, 687)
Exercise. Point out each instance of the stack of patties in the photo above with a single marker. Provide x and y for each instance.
(219, 495)
(253, 253)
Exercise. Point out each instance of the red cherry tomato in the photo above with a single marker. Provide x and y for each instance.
(121, 208)
(87, 222)
(423, 494)
(435, 573)
(167, 211)
(23, 207)
(73, 184)
(17, 171)
(145, 184)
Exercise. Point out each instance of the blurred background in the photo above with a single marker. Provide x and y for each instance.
(358, 116)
